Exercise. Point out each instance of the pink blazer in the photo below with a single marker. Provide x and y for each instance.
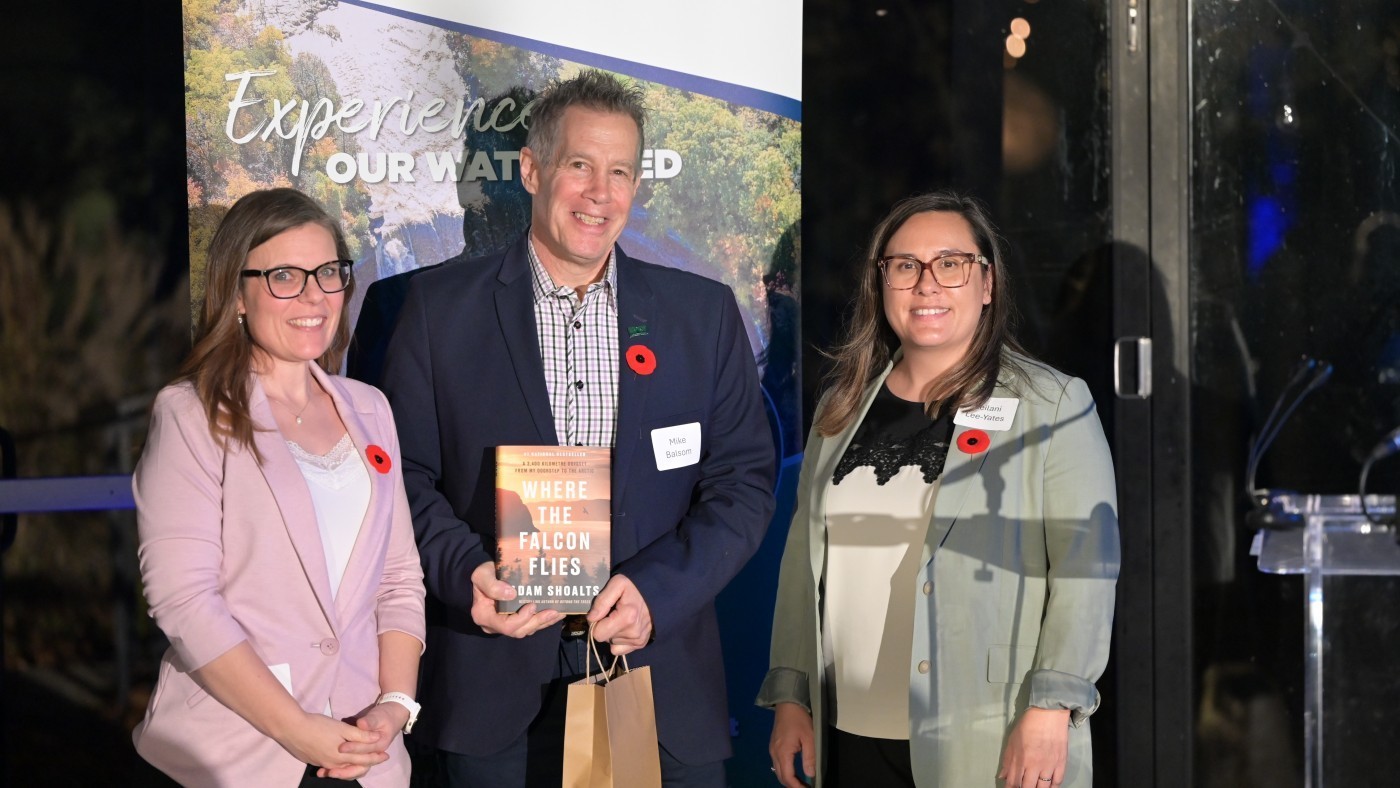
(230, 551)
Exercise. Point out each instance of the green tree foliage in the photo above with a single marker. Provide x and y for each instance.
(200, 18)
(204, 220)
(739, 190)
(491, 69)
(220, 42)
(226, 170)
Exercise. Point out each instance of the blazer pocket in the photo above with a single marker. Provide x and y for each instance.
(171, 683)
(1009, 664)
(162, 681)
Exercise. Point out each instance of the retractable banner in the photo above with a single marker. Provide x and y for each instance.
(405, 119)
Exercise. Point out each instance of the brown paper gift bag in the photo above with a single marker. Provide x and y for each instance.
(610, 728)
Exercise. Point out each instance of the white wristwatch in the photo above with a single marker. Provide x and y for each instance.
(408, 703)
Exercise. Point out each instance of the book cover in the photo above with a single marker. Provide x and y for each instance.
(553, 525)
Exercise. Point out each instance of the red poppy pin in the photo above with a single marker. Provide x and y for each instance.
(641, 359)
(973, 442)
(378, 458)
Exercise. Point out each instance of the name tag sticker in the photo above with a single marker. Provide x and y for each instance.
(996, 415)
(676, 447)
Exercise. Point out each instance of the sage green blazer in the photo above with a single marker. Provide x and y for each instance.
(1015, 596)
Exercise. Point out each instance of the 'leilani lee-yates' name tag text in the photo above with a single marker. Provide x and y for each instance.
(996, 415)
(676, 447)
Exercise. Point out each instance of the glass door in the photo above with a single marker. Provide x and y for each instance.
(1011, 101)
(1293, 269)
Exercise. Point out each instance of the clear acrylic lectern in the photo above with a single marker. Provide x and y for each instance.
(1352, 673)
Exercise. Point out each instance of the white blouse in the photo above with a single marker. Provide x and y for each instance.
(875, 539)
(879, 502)
(339, 484)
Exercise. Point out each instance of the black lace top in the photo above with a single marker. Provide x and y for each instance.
(894, 434)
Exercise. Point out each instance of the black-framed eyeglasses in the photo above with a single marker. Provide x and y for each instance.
(902, 271)
(289, 281)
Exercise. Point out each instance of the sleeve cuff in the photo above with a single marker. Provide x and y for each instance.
(785, 685)
(407, 628)
(1051, 689)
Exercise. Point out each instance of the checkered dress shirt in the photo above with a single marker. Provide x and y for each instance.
(578, 346)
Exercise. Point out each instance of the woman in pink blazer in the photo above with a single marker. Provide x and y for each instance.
(276, 544)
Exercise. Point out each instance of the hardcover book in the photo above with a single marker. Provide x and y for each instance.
(553, 525)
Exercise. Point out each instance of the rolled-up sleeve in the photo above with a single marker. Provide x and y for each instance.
(400, 603)
(178, 487)
(1082, 546)
(793, 650)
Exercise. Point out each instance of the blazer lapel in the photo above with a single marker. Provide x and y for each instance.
(963, 470)
(515, 311)
(360, 425)
(293, 498)
(635, 302)
(827, 458)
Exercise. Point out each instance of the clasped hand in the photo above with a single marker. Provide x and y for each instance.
(341, 751)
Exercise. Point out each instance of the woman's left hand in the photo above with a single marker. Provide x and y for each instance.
(1037, 750)
(385, 719)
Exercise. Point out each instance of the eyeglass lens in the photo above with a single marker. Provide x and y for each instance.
(903, 272)
(289, 281)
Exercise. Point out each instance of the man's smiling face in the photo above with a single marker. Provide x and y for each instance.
(583, 197)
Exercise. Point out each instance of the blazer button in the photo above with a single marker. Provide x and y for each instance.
(923, 666)
(928, 588)
(329, 646)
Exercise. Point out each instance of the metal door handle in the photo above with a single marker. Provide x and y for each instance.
(1144, 368)
(1132, 26)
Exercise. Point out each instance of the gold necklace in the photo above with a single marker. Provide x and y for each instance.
(296, 415)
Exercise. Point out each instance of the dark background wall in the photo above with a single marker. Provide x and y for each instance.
(93, 312)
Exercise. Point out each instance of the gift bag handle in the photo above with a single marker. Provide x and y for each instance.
(592, 651)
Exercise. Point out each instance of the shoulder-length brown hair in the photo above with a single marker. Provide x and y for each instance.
(868, 343)
(221, 361)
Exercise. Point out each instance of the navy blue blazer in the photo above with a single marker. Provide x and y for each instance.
(379, 313)
(463, 375)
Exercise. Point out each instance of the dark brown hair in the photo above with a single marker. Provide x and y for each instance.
(591, 89)
(221, 361)
(868, 342)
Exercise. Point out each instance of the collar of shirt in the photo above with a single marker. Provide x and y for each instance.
(545, 287)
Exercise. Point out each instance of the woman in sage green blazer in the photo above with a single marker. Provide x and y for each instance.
(984, 479)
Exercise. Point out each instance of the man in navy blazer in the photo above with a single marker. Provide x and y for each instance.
(507, 349)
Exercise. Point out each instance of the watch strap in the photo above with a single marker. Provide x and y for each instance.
(407, 702)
